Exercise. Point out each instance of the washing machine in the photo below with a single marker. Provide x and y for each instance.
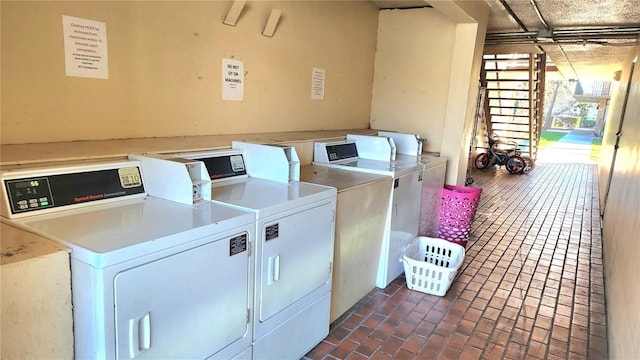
(404, 210)
(151, 278)
(295, 224)
(409, 149)
(361, 219)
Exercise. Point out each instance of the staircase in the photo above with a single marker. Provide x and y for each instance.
(515, 94)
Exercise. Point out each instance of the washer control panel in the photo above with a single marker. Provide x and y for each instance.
(28, 194)
(31, 191)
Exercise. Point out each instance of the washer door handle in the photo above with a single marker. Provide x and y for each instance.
(139, 334)
(274, 269)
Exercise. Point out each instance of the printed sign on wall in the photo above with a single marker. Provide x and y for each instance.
(232, 79)
(317, 84)
(85, 48)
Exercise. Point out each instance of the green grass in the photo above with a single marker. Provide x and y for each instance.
(595, 149)
(548, 137)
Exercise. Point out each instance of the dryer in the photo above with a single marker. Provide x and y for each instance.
(404, 210)
(150, 278)
(295, 224)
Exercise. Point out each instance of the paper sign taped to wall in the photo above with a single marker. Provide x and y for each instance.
(85, 48)
(232, 79)
(317, 84)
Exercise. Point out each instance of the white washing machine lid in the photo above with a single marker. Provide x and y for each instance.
(105, 235)
(340, 179)
(426, 160)
(266, 197)
(432, 161)
(389, 168)
(407, 159)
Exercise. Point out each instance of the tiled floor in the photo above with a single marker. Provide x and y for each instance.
(531, 285)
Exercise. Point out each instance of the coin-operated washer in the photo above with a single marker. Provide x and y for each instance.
(294, 243)
(151, 278)
(404, 210)
(409, 149)
(361, 219)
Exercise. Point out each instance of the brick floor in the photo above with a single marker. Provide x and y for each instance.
(531, 285)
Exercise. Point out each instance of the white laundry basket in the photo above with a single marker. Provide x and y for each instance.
(430, 264)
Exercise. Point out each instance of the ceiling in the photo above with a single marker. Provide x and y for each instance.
(586, 39)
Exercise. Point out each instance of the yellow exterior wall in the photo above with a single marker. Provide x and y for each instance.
(621, 222)
(165, 69)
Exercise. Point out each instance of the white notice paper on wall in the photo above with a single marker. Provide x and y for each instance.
(232, 79)
(85, 48)
(317, 84)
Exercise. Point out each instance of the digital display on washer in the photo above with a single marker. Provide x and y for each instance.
(42, 192)
(220, 167)
(341, 151)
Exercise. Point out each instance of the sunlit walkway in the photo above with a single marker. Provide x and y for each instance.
(575, 147)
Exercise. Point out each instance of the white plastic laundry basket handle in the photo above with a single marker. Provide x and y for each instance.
(463, 256)
(404, 249)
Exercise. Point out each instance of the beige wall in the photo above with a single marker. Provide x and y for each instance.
(165, 69)
(621, 222)
(426, 76)
(165, 66)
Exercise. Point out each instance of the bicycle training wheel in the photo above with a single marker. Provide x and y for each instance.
(515, 165)
(482, 161)
(530, 164)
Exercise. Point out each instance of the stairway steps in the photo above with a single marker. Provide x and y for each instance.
(509, 99)
(507, 89)
(509, 107)
(503, 75)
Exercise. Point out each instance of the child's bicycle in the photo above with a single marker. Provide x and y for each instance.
(529, 163)
(510, 157)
